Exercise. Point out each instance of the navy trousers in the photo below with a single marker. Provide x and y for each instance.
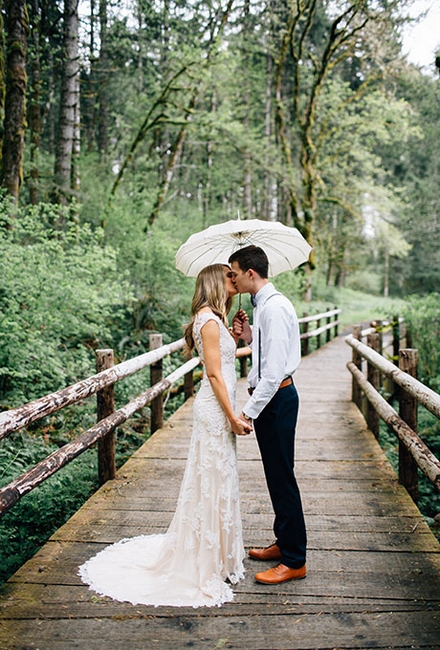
(275, 431)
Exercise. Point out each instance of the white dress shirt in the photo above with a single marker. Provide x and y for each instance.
(275, 319)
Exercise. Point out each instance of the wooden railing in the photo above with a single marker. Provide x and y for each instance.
(331, 323)
(413, 452)
(102, 385)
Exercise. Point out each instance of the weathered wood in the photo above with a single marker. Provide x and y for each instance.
(425, 396)
(318, 331)
(357, 361)
(425, 459)
(11, 493)
(23, 415)
(408, 473)
(310, 319)
(291, 629)
(156, 375)
(105, 406)
(396, 339)
(373, 377)
(242, 354)
(328, 321)
(304, 335)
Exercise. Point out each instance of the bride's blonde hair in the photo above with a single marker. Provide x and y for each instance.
(210, 291)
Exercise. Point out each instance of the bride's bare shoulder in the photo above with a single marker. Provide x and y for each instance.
(204, 310)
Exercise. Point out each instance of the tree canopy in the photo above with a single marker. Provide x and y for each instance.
(159, 118)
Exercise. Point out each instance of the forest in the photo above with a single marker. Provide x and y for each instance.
(128, 125)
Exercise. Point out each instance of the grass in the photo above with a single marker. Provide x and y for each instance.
(358, 307)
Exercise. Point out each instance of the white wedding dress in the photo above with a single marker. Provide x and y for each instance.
(203, 547)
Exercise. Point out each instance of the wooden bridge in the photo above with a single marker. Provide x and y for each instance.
(373, 564)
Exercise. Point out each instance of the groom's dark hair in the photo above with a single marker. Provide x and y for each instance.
(251, 257)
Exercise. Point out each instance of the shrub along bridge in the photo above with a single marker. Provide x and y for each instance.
(373, 564)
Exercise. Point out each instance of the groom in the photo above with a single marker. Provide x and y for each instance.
(273, 407)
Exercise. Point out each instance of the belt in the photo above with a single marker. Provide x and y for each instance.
(288, 381)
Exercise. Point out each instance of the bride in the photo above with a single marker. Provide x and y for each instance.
(203, 547)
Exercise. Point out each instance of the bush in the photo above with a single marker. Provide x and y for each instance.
(29, 524)
(422, 317)
(61, 297)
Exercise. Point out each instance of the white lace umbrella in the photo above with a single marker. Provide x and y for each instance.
(285, 247)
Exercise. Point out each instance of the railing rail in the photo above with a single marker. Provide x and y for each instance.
(424, 395)
(332, 322)
(413, 452)
(19, 417)
(11, 493)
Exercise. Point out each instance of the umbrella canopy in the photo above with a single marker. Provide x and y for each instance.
(285, 247)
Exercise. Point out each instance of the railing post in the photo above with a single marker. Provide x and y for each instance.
(305, 340)
(243, 361)
(156, 375)
(373, 376)
(318, 337)
(356, 392)
(336, 320)
(188, 381)
(396, 340)
(408, 475)
(379, 332)
(329, 331)
(105, 406)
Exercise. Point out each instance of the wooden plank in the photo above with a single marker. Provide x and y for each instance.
(298, 631)
(29, 600)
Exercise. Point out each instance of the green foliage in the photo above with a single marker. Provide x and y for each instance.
(422, 317)
(416, 167)
(62, 296)
(39, 514)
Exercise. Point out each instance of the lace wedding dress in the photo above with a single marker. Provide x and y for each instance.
(203, 547)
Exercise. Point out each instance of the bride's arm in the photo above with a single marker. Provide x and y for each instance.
(211, 346)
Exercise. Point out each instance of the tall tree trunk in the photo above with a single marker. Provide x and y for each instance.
(103, 102)
(269, 203)
(48, 114)
(247, 180)
(139, 16)
(89, 97)
(69, 89)
(76, 147)
(209, 163)
(2, 78)
(386, 275)
(34, 115)
(17, 25)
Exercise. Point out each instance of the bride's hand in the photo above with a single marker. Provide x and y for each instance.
(240, 427)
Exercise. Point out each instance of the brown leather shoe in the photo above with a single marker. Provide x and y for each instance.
(271, 552)
(280, 573)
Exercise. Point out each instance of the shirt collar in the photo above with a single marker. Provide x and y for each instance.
(263, 294)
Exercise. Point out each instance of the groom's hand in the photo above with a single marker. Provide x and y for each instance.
(241, 327)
